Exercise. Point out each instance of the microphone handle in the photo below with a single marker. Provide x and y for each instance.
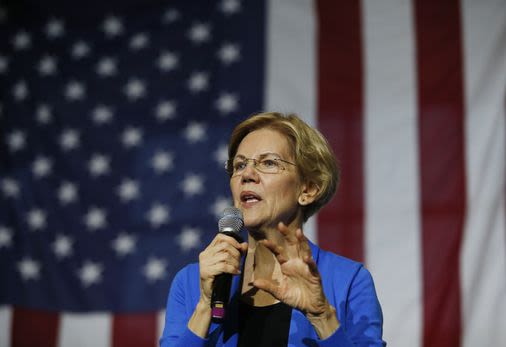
(221, 289)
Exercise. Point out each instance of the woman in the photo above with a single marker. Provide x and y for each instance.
(288, 292)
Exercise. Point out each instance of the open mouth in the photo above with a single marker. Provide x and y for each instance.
(250, 197)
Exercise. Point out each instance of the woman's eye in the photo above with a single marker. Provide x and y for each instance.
(240, 165)
(269, 163)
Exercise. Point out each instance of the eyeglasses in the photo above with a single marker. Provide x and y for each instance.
(267, 164)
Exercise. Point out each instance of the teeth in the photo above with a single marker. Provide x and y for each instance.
(250, 198)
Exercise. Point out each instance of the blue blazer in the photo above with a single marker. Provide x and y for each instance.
(347, 284)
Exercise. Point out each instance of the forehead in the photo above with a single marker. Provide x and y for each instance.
(263, 141)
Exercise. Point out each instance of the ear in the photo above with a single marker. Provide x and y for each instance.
(308, 193)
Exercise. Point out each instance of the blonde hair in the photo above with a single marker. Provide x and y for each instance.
(313, 156)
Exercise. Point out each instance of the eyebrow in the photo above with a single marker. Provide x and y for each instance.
(263, 155)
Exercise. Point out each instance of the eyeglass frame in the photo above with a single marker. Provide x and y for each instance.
(229, 163)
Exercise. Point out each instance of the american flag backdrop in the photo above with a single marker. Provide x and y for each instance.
(114, 120)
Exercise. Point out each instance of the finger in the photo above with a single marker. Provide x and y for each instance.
(276, 250)
(299, 235)
(244, 247)
(226, 255)
(220, 258)
(283, 228)
(211, 271)
(304, 247)
(219, 252)
(227, 248)
(228, 268)
(268, 286)
(286, 232)
(302, 239)
(217, 239)
(312, 265)
(222, 265)
(221, 237)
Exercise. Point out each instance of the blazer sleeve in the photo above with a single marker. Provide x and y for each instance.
(178, 312)
(361, 317)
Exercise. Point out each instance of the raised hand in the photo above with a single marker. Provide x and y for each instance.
(300, 285)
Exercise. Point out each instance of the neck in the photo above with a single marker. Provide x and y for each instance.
(271, 232)
(261, 263)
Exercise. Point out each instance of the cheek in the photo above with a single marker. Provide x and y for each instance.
(286, 192)
(234, 189)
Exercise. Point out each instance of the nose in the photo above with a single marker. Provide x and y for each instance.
(250, 173)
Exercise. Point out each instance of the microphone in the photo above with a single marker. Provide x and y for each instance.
(230, 224)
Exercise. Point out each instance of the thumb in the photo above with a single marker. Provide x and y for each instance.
(268, 286)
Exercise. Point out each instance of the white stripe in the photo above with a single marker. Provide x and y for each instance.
(392, 237)
(483, 257)
(291, 64)
(5, 325)
(160, 324)
(85, 330)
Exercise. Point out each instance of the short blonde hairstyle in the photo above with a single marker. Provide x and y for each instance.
(312, 153)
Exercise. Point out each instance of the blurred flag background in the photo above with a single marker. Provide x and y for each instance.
(114, 121)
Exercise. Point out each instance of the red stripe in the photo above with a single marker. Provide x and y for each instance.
(135, 330)
(340, 118)
(34, 328)
(443, 188)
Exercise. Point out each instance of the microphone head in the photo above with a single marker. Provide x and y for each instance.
(231, 220)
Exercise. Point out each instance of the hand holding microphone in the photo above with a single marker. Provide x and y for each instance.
(219, 261)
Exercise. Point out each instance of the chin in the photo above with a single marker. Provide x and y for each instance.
(256, 233)
(252, 224)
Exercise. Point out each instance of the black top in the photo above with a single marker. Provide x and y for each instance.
(264, 326)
